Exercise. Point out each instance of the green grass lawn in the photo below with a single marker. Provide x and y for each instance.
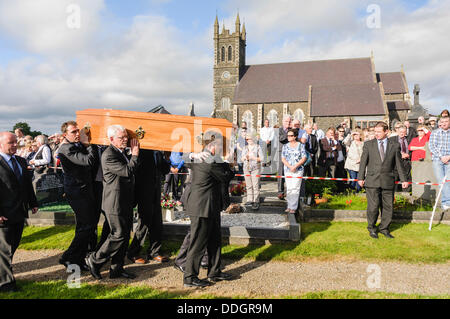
(60, 290)
(359, 202)
(413, 243)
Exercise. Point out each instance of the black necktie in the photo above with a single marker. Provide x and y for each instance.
(15, 167)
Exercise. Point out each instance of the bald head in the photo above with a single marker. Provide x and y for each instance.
(8, 143)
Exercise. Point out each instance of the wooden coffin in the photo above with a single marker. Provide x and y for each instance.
(164, 132)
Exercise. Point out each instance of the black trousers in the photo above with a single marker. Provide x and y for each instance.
(149, 224)
(379, 200)
(116, 245)
(98, 193)
(171, 184)
(181, 258)
(81, 200)
(205, 233)
(10, 236)
(280, 172)
(327, 168)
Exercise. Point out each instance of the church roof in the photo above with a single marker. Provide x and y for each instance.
(289, 82)
(393, 82)
(398, 105)
(347, 100)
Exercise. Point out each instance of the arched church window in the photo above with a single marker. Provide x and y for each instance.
(223, 54)
(299, 115)
(230, 53)
(273, 118)
(248, 118)
(226, 104)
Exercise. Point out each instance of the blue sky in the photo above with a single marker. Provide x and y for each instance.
(142, 53)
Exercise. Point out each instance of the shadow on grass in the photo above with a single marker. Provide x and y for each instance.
(45, 233)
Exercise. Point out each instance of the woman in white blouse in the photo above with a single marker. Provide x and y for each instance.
(354, 157)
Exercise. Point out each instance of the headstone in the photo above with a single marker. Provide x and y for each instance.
(49, 187)
(422, 171)
(417, 110)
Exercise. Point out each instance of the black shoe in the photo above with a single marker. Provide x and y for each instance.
(221, 276)
(196, 283)
(386, 234)
(84, 267)
(255, 206)
(121, 274)
(178, 267)
(93, 269)
(373, 234)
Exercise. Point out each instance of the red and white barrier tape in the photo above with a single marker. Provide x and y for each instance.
(313, 178)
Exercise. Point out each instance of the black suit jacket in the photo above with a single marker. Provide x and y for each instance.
(314, 145)
(152, 166)
(381, 173)
(412, 133)
(205, 194)
(118, 182)
(16, 197)
(78, 163)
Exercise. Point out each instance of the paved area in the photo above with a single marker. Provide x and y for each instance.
(259, 278)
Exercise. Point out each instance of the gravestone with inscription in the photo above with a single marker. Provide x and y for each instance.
(49, 187)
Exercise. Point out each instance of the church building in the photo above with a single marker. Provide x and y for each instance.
(327, 91)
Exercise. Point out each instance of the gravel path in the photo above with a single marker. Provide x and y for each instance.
(262, 279)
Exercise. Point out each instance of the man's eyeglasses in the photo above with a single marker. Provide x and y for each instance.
(341, 131)
(291, 135)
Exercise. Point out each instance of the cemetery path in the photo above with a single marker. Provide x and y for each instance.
(261, 278)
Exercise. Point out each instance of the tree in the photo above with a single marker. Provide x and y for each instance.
(26, 129)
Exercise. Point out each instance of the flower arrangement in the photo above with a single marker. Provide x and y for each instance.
(237, 189)
(167, 202)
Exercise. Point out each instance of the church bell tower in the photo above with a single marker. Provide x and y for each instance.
(229, 64)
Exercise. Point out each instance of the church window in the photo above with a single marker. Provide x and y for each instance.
(230, 53)
(226, 104)
(299, 115)
(273, 118)
(248, 118)
(223, 54)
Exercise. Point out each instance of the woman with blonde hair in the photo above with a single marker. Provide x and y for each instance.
(354, 157)
(252, 156)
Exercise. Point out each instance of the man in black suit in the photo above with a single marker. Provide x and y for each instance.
(119, 174)
(411, 132)
(311, 146)
(78, 158)
(16, 197)
(380, 157)
(402, 139)
(152, 165)
(204, 204)
(329, 154)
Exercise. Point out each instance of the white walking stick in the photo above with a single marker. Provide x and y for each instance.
(437, 200)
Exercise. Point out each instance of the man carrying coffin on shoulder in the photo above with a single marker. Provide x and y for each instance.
(78, 157)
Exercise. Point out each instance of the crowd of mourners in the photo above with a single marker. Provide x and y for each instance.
(113, 180)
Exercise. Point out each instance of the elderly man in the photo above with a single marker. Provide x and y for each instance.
(267, 135)
(119, 175)
(402, 139)
(439, 145)
(301, 132)
(78, 157)
(43, 156)
(16, 197)
(432, 123)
